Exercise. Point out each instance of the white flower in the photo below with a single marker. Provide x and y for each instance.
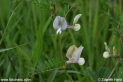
(73, 54)
(76, 27)
(106, 54)
(59, 24)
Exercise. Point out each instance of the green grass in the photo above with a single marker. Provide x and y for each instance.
(28, 39)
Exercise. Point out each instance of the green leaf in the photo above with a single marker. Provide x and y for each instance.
(10, 18)
(22, 53)
(51, 64)
(59, 61)
(1, 62)
(36, 51)
(55, 62)
(103, 72)
(93, 76)
(70, 71)
(3, 50)
(40, 67)
(47, 64)
(45, 6)
(52, 76)
(43, 65)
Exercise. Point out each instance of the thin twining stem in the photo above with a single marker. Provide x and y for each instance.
(72, 8)
(118, 60)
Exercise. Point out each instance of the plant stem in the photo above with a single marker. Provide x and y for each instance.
(120, 6)
(71, 8)
(118, 60)
(121, 59)
(13, 66)
(68, 75)
(60, 44)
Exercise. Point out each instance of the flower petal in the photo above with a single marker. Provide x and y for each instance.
(56, 22)
(106, 54)
(71, 60)
(77, 53)
(106, 47)
(58, 31)
(81, 61)
(63, 23)
(76, 18)
(76, 27)
(70, 51)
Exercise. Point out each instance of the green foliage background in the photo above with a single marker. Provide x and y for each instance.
(27, 39)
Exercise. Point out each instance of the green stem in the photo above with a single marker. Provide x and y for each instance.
(121, 59)
(68, 75)
(120, 6)
(60, 44)
(112, 72)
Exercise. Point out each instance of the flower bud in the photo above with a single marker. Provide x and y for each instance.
(106, 54)
(114, 51)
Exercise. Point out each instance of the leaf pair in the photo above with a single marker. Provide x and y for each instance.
(101, 73)
(51, 64)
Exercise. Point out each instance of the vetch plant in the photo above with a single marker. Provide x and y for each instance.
(73, 54)
(118, 31)
(108, 54)
(59, 24)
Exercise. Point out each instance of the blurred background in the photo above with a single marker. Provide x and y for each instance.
(27, 35)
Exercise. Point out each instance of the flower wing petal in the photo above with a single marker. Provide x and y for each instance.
(56, 22)
(76, 18)
(63, 23)
(77, 53)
